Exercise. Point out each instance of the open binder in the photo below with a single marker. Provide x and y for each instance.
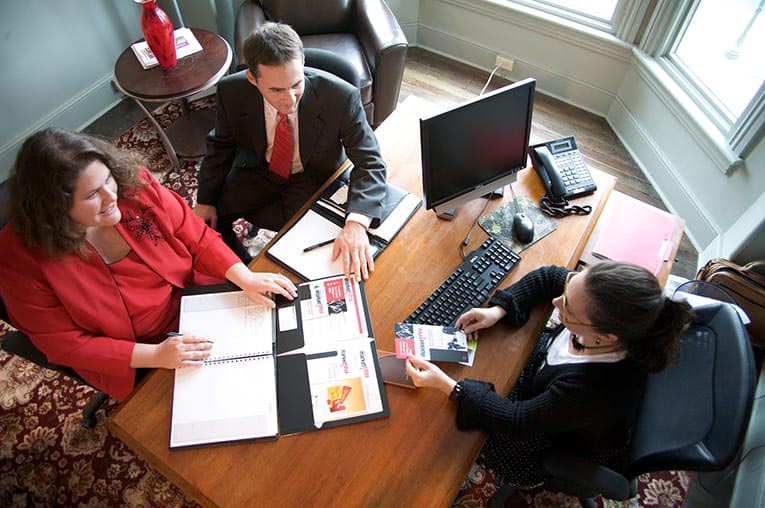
(323, 221)
(309, 364)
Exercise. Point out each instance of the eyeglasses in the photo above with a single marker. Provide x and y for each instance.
(565, 302)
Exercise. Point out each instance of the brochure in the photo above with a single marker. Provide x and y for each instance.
(431, 342)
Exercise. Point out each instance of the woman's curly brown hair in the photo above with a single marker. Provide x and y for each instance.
(42, 182)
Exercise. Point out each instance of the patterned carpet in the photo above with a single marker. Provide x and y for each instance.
(48, 460)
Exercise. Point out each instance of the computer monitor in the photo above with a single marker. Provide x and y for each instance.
(477, 147)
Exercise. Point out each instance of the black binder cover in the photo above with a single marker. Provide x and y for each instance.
(292, 382)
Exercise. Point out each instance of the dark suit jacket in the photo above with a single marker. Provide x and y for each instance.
(332, 124)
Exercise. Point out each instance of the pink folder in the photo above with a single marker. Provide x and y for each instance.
(636, 232)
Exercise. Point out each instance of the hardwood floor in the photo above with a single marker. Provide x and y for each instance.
(447, 82)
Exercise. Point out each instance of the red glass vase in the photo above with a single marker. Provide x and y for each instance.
(158, 32)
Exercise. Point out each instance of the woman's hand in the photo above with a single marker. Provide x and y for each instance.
(259, 286)
(173, 352)
(426, 375)
(478, 318)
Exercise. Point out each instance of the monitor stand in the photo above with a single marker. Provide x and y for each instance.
(449, 214)
(496, 193)
(446, 214)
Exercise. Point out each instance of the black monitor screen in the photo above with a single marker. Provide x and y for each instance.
(471, 149)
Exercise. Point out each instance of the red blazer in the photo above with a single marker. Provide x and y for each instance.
(71, 308)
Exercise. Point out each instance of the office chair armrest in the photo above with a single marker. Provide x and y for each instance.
(583, 478)
(378, 31)
(248, 17)
(385, 46)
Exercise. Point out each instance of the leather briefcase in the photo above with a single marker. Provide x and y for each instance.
(746, 284)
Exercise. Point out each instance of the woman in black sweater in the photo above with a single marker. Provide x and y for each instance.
(579, 389)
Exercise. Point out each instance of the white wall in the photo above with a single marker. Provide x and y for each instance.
(724, 213)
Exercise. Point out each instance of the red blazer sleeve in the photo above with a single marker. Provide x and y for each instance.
(80, 341)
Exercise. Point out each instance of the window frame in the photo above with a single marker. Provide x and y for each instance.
(625, 23)
(669, 20)
(655, 28)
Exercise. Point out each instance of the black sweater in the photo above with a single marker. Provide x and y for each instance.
(584, 408)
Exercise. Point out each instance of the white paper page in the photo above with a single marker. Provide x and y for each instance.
(344, 385)
(311, 229)
(224, 402)
(333, 312)
(236, 325)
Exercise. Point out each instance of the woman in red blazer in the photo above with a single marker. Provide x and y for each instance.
(96, 254)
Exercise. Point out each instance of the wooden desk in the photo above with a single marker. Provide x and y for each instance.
(416, 457)
(186, 136)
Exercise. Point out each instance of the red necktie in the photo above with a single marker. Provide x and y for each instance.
(283, 150)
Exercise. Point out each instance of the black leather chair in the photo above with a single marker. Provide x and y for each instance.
(692, 418)
(364, 33)
(16, 343)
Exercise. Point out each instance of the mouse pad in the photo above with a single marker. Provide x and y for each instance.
(499, 223)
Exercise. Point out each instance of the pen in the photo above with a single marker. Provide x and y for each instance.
(317, 245)
(179, 334)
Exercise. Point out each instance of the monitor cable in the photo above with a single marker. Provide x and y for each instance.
(470, 232)
(488, 196)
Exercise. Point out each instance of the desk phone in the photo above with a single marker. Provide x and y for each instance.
(562, 169)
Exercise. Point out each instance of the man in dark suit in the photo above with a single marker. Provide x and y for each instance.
(326, 122)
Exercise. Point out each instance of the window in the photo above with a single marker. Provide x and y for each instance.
(721, 51)
(594, 13)
(712, 49)
(622, 18)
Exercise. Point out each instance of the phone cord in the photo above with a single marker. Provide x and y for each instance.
(561, 208)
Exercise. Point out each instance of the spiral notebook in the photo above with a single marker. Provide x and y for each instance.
(219, 401)
(311, 363)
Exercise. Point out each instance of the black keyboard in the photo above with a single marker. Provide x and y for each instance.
(468, 286)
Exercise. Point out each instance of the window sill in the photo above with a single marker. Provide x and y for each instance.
(546, 23)
(695, 121)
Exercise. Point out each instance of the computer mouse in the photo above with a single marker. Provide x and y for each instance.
(523, 227)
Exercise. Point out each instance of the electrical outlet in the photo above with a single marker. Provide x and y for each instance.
(504, 63)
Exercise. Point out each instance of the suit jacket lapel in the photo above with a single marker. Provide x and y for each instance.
(310, 121)
(253, 121)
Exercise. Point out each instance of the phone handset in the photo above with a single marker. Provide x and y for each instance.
(549, 173)
(554, 202)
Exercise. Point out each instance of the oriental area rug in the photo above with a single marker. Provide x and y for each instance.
(48, 460)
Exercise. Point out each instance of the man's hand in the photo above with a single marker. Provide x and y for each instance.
(353, 249)
(208, 213)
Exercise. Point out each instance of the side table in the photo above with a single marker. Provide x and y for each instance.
(185, 137)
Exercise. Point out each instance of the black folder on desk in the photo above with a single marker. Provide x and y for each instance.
(321, 371)
(324, 220)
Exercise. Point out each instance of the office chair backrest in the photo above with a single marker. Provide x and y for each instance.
(330, 62)
(694, 413)
(3, 201)
(333, 16)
